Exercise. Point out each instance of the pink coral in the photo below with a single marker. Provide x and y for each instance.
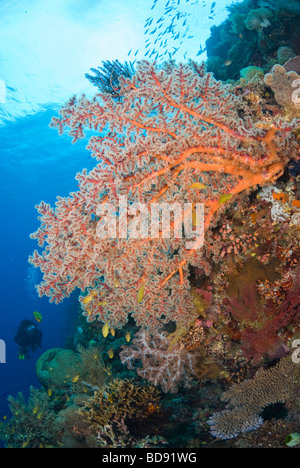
(162, 364)
(175, 127)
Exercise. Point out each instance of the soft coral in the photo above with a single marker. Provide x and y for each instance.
(263, 326)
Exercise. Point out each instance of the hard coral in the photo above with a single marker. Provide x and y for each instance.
(57, 367)
(119, 400)
(246, 400)
(115, 415)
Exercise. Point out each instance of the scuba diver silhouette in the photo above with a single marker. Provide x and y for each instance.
(28, 337)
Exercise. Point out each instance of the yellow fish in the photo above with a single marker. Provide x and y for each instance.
(102, 303)
(110, 353)
(35, 410)
(37, 316)
(107, 369)
(198, 185)
(112, 331)
(75, 378)
(224, 197)
(40, 415)
(140, 293)
(127, 337)
(25, 444)
(105, 329)
(195, 219)
(49, 392)
(87, 299)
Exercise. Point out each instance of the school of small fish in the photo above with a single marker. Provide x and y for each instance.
(172, 26)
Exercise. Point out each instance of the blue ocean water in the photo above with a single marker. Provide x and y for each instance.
(36, 164)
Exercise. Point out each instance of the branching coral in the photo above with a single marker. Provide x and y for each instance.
(107, 77)
(175, 130)
(112, 416)
(32, 424)
(106, 417)
(162, 363)
(247, 399)
(119, 400)
(116, 435)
